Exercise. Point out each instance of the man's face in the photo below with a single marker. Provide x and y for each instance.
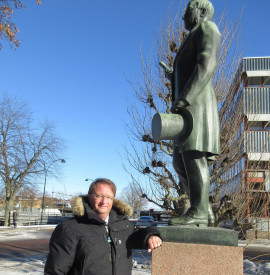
(101, 200)
(192, 16)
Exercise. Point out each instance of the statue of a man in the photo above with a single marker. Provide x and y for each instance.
(193, 70)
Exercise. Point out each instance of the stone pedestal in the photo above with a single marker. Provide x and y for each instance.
(199, 254)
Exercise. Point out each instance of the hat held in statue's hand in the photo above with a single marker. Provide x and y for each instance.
(172, 126)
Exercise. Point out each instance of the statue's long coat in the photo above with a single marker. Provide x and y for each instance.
(193, 70)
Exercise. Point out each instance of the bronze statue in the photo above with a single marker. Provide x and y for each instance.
(191, 78)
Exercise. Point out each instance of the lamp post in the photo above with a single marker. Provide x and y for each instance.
(46, 169)
(87, 179)
(64, 199)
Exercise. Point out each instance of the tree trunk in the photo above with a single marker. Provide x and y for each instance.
(9, 203)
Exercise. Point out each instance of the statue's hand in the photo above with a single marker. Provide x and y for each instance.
(177, 105)
(169, 74)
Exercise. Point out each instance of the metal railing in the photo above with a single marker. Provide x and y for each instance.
(257, 141)
(255, 64)
(33, 217)
(256, 100)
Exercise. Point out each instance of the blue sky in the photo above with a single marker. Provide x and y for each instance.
(71, 67)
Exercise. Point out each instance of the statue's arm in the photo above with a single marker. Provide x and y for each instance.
(208, 44)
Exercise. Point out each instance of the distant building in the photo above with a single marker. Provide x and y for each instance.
(256, 93)
(249, 169)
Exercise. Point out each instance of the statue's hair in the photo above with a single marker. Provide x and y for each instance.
(205, 4)
(102, 181)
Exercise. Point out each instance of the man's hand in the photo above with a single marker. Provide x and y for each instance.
(153, 242)
(177, 105)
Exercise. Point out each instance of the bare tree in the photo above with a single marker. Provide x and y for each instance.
(132, 196)
(150, 161)
(24, 148)
(8, 29)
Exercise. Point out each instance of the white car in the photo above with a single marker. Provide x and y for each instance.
(145, 221)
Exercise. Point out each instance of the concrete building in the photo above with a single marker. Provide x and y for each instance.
(256, 98)
(244, 165)
(248, 113)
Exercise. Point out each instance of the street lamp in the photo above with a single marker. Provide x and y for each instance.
(87, 179)
(46, 169)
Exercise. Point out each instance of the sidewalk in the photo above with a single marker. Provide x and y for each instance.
(262, 243)
(26, 232)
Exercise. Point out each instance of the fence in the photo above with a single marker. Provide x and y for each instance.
(260, 230)
(27, 216)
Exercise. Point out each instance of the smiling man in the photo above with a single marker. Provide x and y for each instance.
(100, 238)
(101, 199)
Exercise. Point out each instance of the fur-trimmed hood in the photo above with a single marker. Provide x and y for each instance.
(118, 205)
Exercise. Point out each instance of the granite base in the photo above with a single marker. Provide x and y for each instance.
(195, 250)
(183, 258)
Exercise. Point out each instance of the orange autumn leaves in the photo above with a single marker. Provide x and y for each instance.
(8, 29)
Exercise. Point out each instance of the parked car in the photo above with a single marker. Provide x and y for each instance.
(145, 221)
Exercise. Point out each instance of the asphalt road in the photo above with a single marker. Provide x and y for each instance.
(24, 248)
(38, 248)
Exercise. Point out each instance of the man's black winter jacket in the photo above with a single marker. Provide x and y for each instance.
(80, 246)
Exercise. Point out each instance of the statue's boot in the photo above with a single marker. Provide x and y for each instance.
(189, 220)
(211, 215)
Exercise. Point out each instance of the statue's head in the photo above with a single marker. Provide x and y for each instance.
(196, 12)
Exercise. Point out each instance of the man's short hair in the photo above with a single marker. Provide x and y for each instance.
(102, 181)
(205, 4)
